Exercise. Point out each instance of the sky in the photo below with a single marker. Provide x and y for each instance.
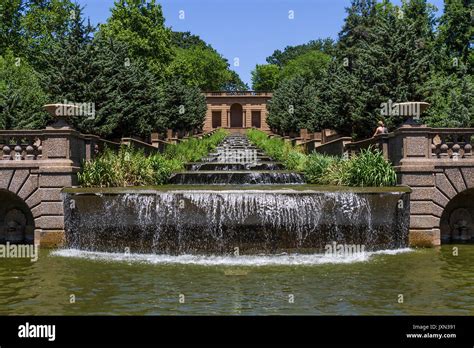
(247, 31)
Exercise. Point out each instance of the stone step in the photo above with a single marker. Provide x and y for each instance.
(237, 178)
(208, 166)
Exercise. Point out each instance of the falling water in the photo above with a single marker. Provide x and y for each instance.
(235, 214)
(206, 221)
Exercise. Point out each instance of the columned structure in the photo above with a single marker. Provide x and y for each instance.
(236, 110)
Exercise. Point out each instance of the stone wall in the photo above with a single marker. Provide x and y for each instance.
(438, 165)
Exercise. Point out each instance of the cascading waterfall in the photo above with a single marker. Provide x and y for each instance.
(238, 213)
(252, 221)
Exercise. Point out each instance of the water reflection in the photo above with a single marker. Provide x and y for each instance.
(432, 281)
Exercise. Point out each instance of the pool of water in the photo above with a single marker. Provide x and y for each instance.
(432, 282)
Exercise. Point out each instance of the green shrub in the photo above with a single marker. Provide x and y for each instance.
(131, 167)
(291, 156)
(295, 160)
(193, 149)
(317, 167)
(370, 168)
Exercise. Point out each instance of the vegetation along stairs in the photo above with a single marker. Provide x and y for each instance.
(236, 162)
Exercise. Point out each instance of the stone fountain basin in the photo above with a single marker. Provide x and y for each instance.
(216, 220)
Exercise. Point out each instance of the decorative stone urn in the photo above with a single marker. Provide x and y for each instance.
(412, 112)
(61, 113)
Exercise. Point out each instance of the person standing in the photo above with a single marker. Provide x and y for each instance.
(381, 129)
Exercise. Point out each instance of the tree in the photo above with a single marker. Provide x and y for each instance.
(182, 107)
(235, 83)
(10, 25)
(342, 98)
(200, 67)
(281, 58)
(452, 101)
(42, 22)
(265, 77)
(21, 96)
(68, 71)
(140, 24)
(187, 40)
(124, 92)
(456, 34)
(293, 106)
(387, 53)
(312, 65)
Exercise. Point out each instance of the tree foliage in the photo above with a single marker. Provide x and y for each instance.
(293, 106)
(182, 107)
(140, 24)
(21, 96)
(265, 77)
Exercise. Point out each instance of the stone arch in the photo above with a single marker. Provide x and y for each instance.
(236, 116)
(17, 224)
(455, 198)
(457, 219)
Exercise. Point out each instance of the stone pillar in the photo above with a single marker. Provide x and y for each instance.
(63, 151)
(410, 151)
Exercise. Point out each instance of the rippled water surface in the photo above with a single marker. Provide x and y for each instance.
(432, 281)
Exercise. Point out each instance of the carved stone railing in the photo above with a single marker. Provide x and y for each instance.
(453, 143)
(238, 94)
(420, 143)
(21, 145)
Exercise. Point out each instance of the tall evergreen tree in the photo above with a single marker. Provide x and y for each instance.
(293, 106)
(182, 107)
(21, 95)
(124, 92)
(68, 71)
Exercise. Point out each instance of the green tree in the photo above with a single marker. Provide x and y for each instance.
(10, 25)
(140, 24)
(42, 23)
(182, 107)
(200, 67)
(124, 92)
(386, 52)
(281, 58)
(235, 83)
(456, 34)
(293, 106)
(68, 71)
(21, 96)
(311, 65)
(265, 77)
(452, 100)
(184, 39)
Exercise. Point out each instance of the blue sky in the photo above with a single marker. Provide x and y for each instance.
(249, 30)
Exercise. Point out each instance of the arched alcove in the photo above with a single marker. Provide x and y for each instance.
(457, 220)
(16, 220)
(236, 116)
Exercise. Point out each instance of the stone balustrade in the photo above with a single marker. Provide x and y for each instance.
(452, 144)
(21, 145)
(238, 94)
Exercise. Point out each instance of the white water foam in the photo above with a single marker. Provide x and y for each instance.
(248, 260)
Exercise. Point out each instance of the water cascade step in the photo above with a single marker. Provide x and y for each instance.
(236, 162)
